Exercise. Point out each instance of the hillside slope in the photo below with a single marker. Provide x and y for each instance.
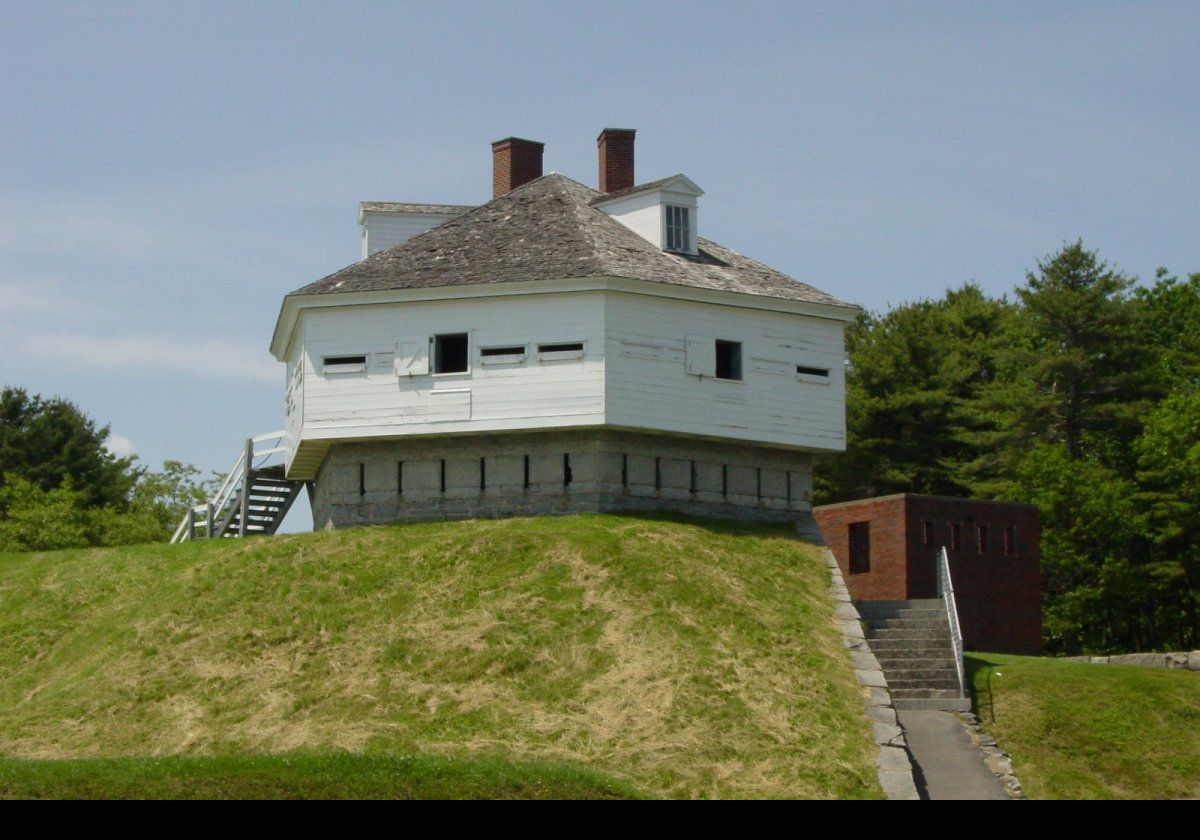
(688, 659)
(1079, 731)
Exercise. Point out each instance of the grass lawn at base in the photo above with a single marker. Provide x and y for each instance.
(682, 657)
(300, 776)
(1079, 731)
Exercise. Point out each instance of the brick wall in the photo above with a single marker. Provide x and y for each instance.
(998, 591)
(999, 594)
(887, 579)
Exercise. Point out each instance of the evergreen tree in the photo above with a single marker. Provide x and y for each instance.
(50, 441)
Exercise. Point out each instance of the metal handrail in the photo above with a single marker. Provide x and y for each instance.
(946, 591)
(231, 488)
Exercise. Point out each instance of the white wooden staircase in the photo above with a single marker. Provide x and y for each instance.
(253, 497)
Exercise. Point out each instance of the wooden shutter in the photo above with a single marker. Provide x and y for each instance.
(412, 357)
(701, 357)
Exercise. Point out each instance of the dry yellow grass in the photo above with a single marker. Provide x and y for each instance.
(690, 659)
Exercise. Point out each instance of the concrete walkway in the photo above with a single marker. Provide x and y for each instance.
(946, 762)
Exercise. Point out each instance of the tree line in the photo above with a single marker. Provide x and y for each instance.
(1081, 395)
(61, 487)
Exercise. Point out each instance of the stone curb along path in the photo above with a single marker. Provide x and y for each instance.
(996, 759)
(893, 764)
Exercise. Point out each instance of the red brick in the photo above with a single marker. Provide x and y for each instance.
(998, 594)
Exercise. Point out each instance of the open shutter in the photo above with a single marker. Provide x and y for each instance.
(701, 357)
(412, 357)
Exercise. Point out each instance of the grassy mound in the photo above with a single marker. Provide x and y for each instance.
(680, 657)
(1078, 731)
(300, 776)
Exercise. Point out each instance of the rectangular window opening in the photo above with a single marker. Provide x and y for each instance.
(692, 478)
(515, 350)
(927, 532)
(812, 371)
(362, 479)
(724, 479)
(482, 474)
(955, 536)
(442, 475)
(859, 534)
(624, 470)
(729, 360)
(450, 353)
(343, 364)
(565, 347)
(679, 236)
(567, 476)
(526, 479)
(1010, 540)
(982, 538)
(400, 479)
(658, 473)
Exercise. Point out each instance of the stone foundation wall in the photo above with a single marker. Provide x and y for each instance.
(555, 473)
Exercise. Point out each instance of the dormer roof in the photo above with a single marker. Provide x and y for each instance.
(676, 183)
(548, 229)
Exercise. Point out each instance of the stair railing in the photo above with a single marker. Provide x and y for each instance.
(946, 592)
(233, 492)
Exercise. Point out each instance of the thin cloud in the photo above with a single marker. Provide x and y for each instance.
(120, 446)
(151, 354)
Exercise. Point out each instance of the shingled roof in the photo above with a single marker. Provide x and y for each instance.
(548, 230)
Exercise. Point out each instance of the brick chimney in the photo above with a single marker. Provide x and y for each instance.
(616, 159)
(515, 162)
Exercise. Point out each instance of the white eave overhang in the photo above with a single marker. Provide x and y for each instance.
(294, 305)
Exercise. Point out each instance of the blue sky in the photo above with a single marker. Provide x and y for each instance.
(169, 171)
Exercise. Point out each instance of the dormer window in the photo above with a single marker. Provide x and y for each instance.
(679, 236)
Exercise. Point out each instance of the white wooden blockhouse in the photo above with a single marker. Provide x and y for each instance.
(558, 349)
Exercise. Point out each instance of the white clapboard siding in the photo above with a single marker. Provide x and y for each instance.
(383, 230)
(408, 399)
(648, 363)
(661, 354)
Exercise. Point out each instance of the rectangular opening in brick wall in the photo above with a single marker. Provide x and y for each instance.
(624, 470)
(482, 474)
(1010, 540)
(658, 473)
(758, 482)
(525, 483)
(788, 474)
(567, 476)
(442, 475)
(362, 479)
(859, 534)
(400, 479)
(955, 536)
(927, 532)
(981, 533)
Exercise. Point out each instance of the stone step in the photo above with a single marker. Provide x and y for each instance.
(889, 608)
(943, 704)
(872, 615)
(908, 623)
(896, 675)
(910, 647)
(950, 684)
(893, 664)
(929, 633)
(908, 693)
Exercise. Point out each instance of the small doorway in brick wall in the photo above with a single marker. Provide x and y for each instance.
(860, 547)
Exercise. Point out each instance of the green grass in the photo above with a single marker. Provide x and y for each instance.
(300, 776)
(682, 658)
(1079, 731)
